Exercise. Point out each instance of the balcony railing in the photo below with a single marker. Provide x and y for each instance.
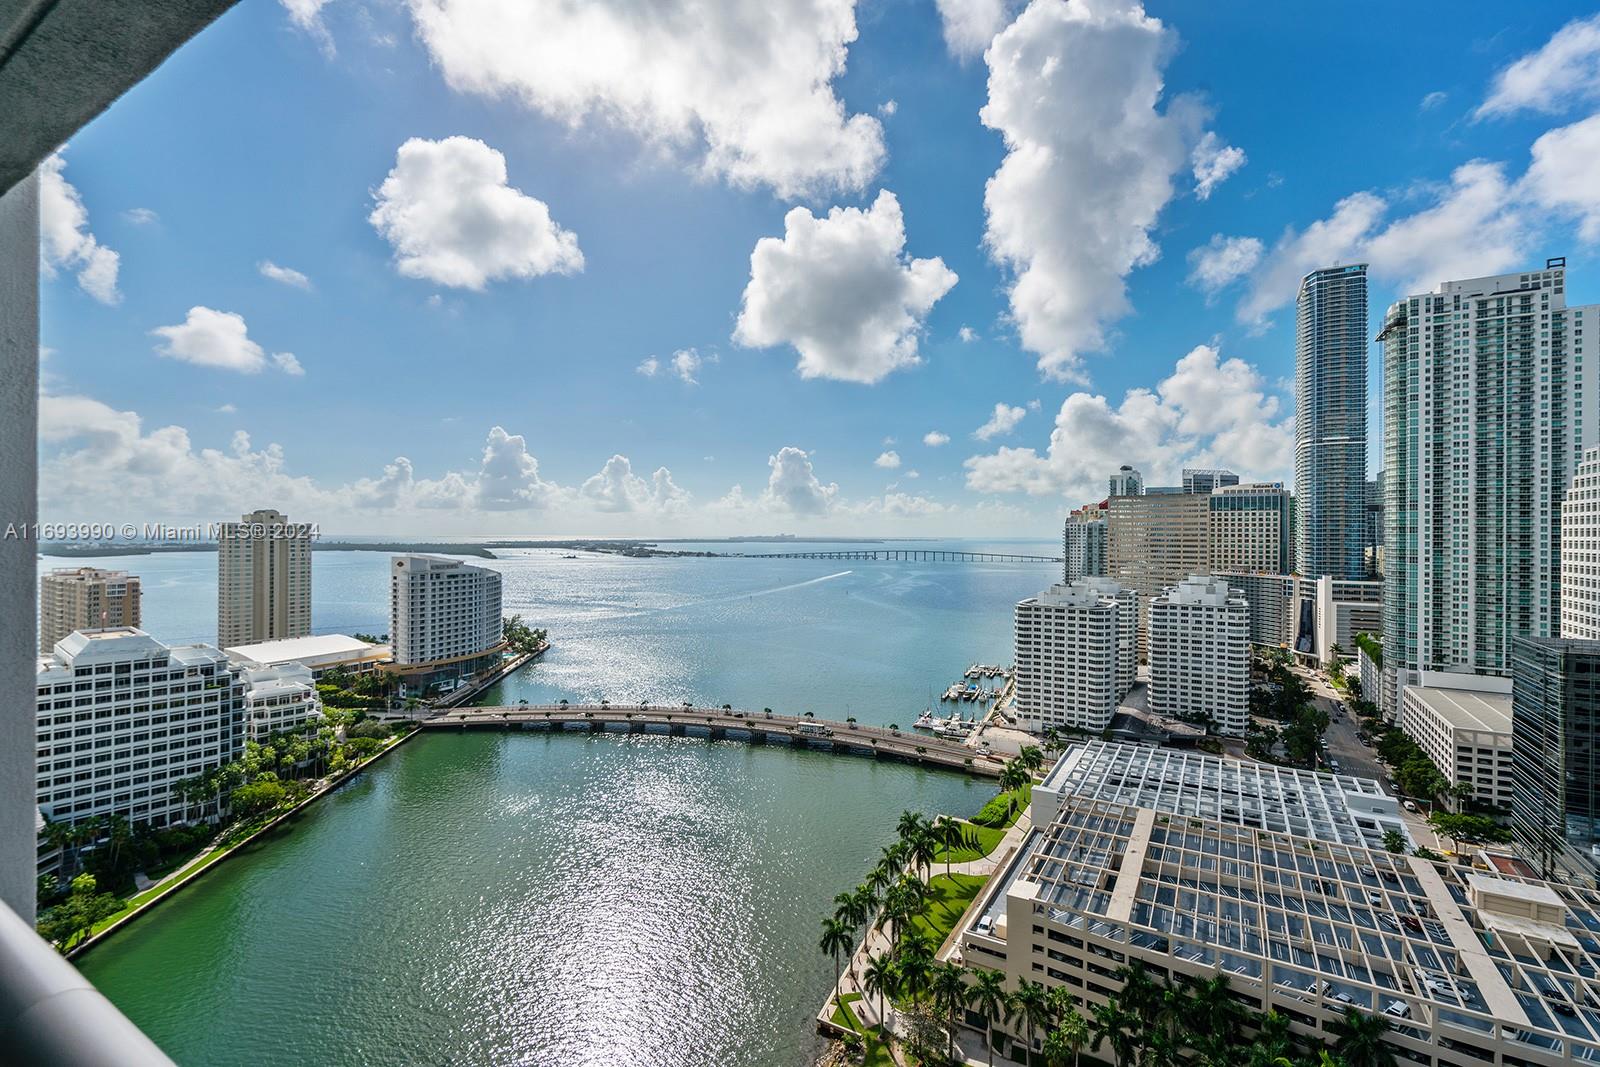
(51, 1016)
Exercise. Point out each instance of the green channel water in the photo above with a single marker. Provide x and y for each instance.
(491, 898)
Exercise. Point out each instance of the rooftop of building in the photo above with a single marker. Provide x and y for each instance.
(1465, 709)
(313, 646)
(118, 644)
(1329, 925)
(1329, 807)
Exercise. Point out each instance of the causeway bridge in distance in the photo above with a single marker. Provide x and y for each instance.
(909, 555)
(756, 727)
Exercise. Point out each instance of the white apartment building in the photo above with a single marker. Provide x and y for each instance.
(1074, 647)
(278, 700)
(122, 717)
(445, 621)
(1199, 654)
(1125, 482)
(1467, 735)
(1490, 399)
(85, 598)
(263, 579)
(1580, 551)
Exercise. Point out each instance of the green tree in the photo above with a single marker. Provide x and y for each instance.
(988, 998)
(923, 849)
(948, 988)
(837, 938)
(257, 797)
(1394, 841)
(951, 835)
(1031, 757)
(913, 961)
(1358, 1039)
(1113, 1025)
(880, 980)
(1069, 1036)
(74, 919)
(1030, 1007)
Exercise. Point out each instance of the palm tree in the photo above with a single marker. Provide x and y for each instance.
(1071, 1031)
(923, 850)
(1141, 996)
(1115, 1026)
(988, 997)
(880, 878)
(1031, 757)
(909, 826)
(951, 835)
(913, 961)
(837, 937)
(1029, 1006)
(1360, 1039)
(948, 984)
(880, 980)
(1214, 1013)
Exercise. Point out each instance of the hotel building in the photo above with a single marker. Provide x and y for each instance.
(1249, 529)
(85, 598)
(1154, 542)
(263, 579)
(122, 717)
(444, 621)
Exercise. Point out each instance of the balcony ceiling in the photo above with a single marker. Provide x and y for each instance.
(62, 62)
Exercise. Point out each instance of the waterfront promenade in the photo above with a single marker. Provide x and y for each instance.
(757, 727)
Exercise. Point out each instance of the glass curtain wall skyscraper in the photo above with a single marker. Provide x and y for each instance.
(1330, 445)
(1484, 389)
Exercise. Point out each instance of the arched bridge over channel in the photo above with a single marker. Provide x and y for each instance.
(757, 727)
(910, 555)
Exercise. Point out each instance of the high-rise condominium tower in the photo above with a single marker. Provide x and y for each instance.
(85, 598)
(263, 580)
(1580, 551)
(1330, 435)
(1083, 543)
(1126, 482)
(1484, 390)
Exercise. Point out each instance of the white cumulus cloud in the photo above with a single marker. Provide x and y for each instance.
(969, 25)
(744, 89)
(617, 489)
(686, 364)
(1564, 175)
(1214, 163)
(1002, 422)
(888, 460)
(451, 217)
(793, 486)
(65, 242)
(1208, 412)
(1075, 90)
(967, 335)
(650, 366)
(842, 291)
(210, 338)
(1565, 71)
(933, 438)
(1222, 261)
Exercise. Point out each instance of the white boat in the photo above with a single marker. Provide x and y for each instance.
(926, 721)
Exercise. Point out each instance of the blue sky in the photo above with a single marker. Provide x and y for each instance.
(464, 351)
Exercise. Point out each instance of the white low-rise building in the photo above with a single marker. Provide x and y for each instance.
(122, 717)
(280, 699)
(1467, 735)
(1200, 656)
(320, 653)
(1074, 649)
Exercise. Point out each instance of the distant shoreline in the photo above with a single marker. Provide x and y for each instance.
(480, 549)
